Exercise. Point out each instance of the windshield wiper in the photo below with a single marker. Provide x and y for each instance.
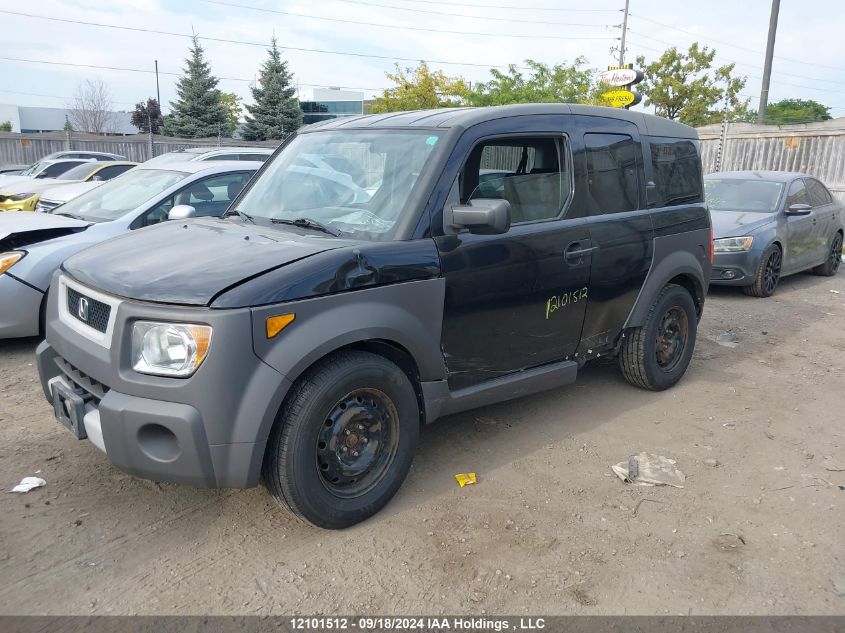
(70, 215)
(307, 223)
(245, 216)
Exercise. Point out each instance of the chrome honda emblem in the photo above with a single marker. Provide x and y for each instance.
(82, 309)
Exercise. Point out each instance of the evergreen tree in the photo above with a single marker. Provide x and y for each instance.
(276, 112)
(199, 112)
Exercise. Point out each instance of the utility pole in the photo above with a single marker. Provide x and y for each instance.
(767, 69)
(624, 34)
(158, 93)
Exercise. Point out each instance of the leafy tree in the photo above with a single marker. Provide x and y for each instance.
(232, 104)
(276, 112)
(6, 126)
(420, 88)
(147, 115)
(684, 85)
(796, 111)
(561, 83)
(199, 112)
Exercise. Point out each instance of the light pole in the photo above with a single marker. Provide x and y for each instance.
(767, 69)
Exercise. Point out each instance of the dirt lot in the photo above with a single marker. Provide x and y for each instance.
(548, 529)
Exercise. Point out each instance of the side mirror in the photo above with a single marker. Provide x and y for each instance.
(799, 208)
(484, 216)
(181, 212)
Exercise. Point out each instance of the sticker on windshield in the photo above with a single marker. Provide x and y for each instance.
(431, 140)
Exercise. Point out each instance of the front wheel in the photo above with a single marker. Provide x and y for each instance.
(834, 258)
(768, 274)
(344, 440)
(656, 355)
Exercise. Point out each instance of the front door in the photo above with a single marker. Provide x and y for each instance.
(800, 231)
(515, 300)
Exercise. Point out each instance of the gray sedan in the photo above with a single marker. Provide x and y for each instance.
(34, 245)
(769, 224)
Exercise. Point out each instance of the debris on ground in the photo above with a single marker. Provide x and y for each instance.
(725, 339)
(29, 483)
(814, 481)
(832, 465)
(466, 479)
(836, 292)
(646, 469)
(729, 542)
(713, 463)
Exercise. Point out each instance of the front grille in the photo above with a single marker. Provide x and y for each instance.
(93, 313)
(46, 206)
(82, 380)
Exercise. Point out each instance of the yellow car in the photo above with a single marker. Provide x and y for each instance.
(23, 194)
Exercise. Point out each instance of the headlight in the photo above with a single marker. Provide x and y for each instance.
(732, 244)
(169, 349)
(9, 259)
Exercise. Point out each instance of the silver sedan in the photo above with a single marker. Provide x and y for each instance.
(34, 245)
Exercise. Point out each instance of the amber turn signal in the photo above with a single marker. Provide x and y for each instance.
(276, 324)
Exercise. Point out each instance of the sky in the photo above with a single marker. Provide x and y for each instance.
(373, 35)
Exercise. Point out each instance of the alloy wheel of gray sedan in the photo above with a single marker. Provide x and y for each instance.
(768, 274)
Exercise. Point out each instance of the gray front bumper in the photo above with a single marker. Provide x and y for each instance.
(20, 308)
(742, 267)
(208, 430)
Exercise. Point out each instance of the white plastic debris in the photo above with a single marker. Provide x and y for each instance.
(836, 292)
(29, 483)
(646, 469)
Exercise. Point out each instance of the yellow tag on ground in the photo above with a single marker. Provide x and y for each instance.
(465, 479)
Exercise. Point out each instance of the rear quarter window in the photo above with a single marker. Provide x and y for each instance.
(676, 168)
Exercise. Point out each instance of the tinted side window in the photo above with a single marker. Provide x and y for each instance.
(797, 194)
(818, 193)
(57, 169)
(256, 157)
(222, 157)
(533, 174)
(677, 171)
(612, 172)
(107, 173)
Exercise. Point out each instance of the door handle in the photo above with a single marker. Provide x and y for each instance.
(576, 251)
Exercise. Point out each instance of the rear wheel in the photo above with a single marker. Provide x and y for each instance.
(656, 355)
(344, 440)
(768, 274)
(834, 258)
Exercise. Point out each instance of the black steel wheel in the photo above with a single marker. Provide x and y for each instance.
(656, 355)
(357, 443)
(834, 257)
(344, 439)
(768, 273)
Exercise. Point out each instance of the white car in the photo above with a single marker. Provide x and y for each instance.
(44, 169)
(63, 193)
(259, 154)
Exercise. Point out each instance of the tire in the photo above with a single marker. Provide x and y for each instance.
(834, 257)
(768, 274)
(320, 461)
(648, 358)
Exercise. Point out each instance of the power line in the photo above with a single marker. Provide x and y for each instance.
(403, 27)
(37, 94)
(742, 48)
(148, 71)
(457, 15)
(517, 8)
(775, 81)
(260, 44)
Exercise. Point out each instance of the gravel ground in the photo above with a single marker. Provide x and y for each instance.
(757, 428)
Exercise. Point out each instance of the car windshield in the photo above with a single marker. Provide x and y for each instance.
(80, 172)
(356, 183)
(119, 196)
(735, 194)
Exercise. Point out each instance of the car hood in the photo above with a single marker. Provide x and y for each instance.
(69, 190)
(191, 262)
(5, 181)
(19, 228)
(33, 186)
(738, 223)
